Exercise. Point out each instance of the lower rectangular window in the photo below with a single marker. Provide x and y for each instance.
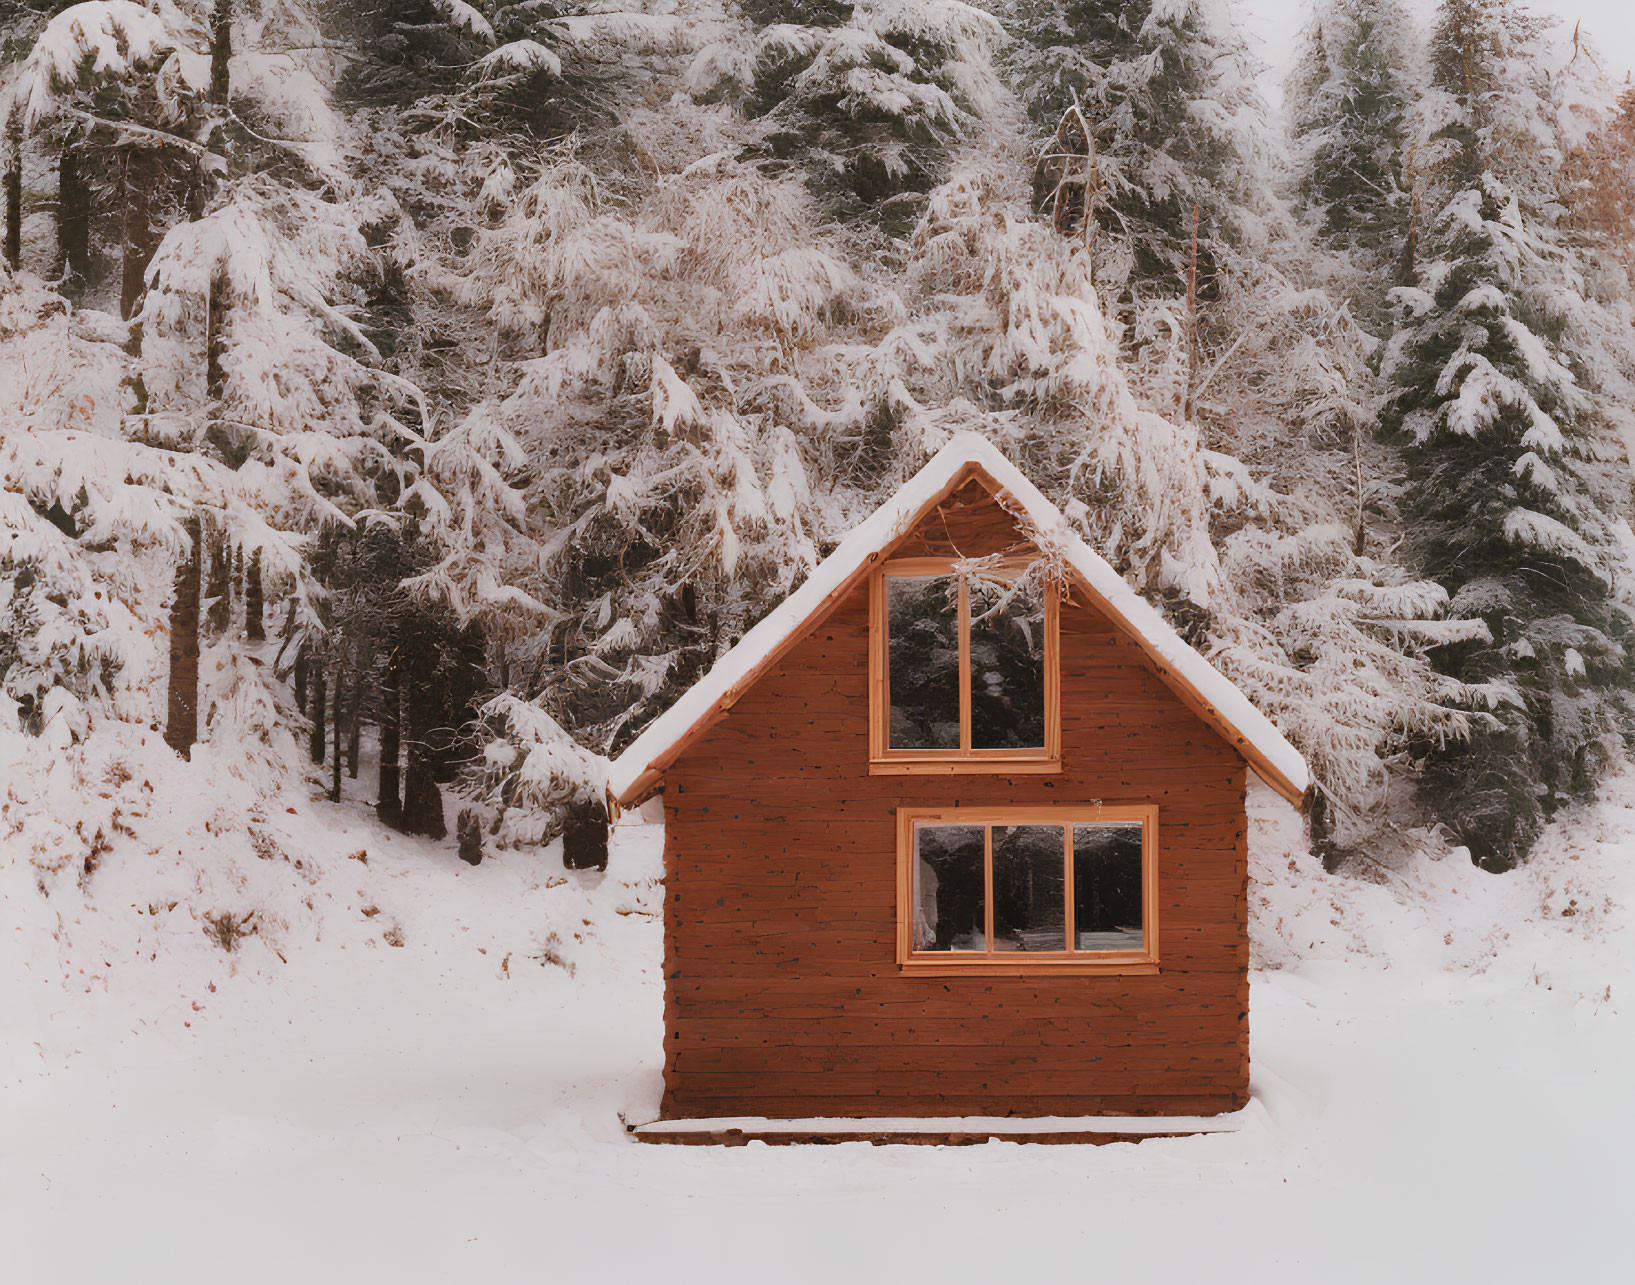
(1017, 889)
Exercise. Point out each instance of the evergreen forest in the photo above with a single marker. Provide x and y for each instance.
(437, 389)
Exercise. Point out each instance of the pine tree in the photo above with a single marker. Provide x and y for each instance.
(866, 100)
(126, 78)
(386, 646)
(96, 519)
(1349, 98)
(1168, 91)
(1501, 440)
(670, 512)
(57, 647)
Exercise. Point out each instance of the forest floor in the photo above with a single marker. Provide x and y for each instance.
(1442, 1068)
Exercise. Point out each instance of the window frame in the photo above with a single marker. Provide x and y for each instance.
(883, 760)
(992, 963)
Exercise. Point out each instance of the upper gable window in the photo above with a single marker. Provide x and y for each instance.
(963, 658)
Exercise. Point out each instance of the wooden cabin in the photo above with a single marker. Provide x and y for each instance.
(957, 830)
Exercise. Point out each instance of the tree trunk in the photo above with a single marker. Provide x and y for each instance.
(221, 50)
(584, 835)
(1408, 264)
(320, 710)
(14, 195)
(182, 723)
(300, 677)
(338, 721)
(218, 589)
(73, 215)
(422, 800)
(390, 804)
(204, 177)
(1192, 325)
(354, 726)
(142, 173)
(354, 729)
(255, 628)
(214, 344)
(468, 833)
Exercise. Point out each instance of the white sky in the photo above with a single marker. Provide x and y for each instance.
(1609, 24)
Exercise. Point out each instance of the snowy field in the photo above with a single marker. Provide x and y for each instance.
(1442, 1069)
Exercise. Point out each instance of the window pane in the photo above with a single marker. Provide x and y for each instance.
(923, 675)
(1029, 887)
(1107, 886)
(1007, 666)
(949, 911)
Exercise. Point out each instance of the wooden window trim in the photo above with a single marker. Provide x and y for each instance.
(884, 761)
(992, 963)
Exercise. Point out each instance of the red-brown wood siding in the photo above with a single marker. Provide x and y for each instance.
(782, 993)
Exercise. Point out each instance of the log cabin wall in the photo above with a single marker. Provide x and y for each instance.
(782, 993)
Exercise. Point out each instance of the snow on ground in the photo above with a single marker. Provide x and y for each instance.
(1442, 1065)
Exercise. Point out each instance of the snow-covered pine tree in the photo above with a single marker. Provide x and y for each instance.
(496, 264)
(671, 510)
(1502, 442)
(1348, 99)
(387, 551)
(404, 50)
(252, 408)
(250, 357)
(1018, 328)
(1337, 647)
(1167, 87)
(1287, 589)
(62, 643)
(865, 100)
(92, 522)
(543, 69)
(119, 89)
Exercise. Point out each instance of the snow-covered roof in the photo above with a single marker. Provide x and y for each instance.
(1204, 689)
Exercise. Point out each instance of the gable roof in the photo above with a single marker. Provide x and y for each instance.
(1201, 687)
